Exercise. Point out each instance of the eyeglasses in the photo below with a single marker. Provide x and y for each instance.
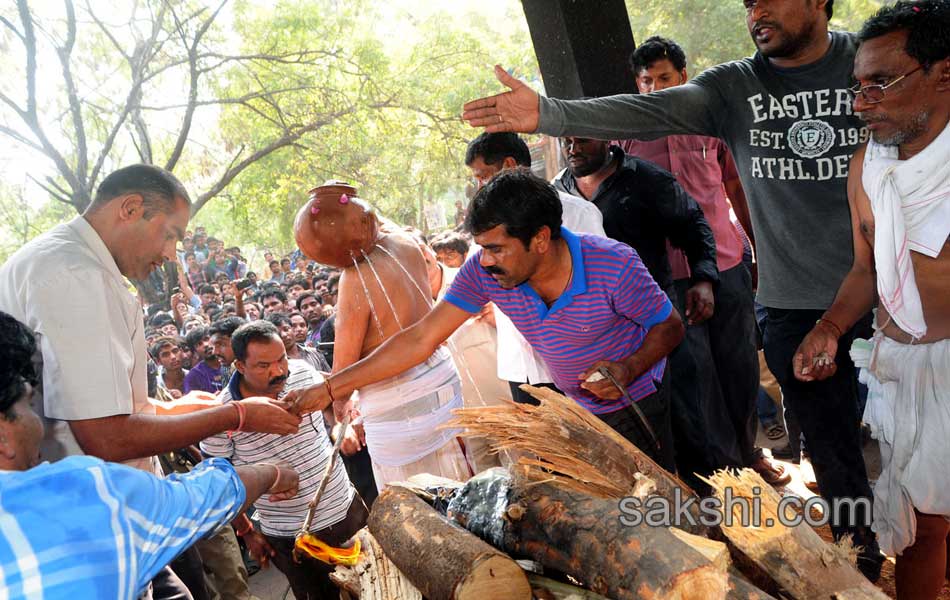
(873, 94)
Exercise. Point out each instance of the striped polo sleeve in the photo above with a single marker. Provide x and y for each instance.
(637, 296)
(468, 289)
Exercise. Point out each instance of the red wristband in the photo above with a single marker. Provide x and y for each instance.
(242, 416)
(831, 324)
(329, 390)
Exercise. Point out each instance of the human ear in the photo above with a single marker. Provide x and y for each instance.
(131, 206)
(943, 79)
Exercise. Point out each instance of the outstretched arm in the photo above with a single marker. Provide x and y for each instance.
(404, 350)
(814, 359)
(692, 108)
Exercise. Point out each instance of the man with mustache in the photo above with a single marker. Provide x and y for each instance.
(262, 369)
(583, 302)
(899, 188)
(786, 115)
(70, 287)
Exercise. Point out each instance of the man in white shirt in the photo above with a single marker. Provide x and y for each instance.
(68, 286)
(488, 155)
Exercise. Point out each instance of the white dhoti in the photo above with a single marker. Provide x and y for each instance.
(908, 411)
(402, 416)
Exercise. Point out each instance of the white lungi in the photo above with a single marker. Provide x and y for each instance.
(402, 416)
(908, 411)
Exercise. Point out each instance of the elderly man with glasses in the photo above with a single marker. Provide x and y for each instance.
(899, 190)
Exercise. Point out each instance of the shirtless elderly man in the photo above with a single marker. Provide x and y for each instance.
(383, 290)
(899, 192)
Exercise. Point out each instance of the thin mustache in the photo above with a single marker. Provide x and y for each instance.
(761, 24)
(277, 380)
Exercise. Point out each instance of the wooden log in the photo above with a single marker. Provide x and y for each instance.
(561, 439)
(799, 562)
(374, 577)
(442, 560)
(548, 589)
(583, 536)
(715, 552)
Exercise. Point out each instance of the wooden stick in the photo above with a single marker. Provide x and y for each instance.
(311, 510)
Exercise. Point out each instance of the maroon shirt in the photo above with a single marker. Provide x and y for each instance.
(700, 164)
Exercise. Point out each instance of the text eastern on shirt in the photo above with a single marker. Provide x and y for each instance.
(604, 314)
(792, 132)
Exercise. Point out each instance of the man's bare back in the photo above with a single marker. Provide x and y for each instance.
(357, 329)
(932, 274)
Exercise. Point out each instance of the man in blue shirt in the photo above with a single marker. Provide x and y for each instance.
(85, 528)
(582, 302)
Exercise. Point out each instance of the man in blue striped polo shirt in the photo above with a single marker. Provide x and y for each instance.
(581, 301)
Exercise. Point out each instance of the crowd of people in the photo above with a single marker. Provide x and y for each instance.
(626, 283)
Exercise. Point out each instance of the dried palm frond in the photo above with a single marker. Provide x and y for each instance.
(561, 440)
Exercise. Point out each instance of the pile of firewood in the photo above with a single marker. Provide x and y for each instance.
(559, 510)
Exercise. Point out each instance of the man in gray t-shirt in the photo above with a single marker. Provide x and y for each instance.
(786, 115)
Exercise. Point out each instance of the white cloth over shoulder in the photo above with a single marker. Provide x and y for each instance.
(911, 204)
(908, 411)
(402, 415)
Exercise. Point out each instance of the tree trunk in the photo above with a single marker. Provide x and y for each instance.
(583, 536)
(800, 563)
(577, 449)
(374, 577)
(444, 561)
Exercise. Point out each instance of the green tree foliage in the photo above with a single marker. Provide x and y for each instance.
(713, 32)
(404, 145)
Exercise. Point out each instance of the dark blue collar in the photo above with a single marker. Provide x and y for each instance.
(578, 284)
(234, 386)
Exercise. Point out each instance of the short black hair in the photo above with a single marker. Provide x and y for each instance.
(190, 253)
(274, 291)
(927, 23)
(226, 326)
(16, 363)
(277, 319)
(156, 348)
(160, 320)
(830, 8)
(493, 148)
(450, 240)
(518, 200)
(306, 295)
(654, 49)
(255, 331)
(285, 260)
(159, 188)
(206, 288)
(195, 336)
